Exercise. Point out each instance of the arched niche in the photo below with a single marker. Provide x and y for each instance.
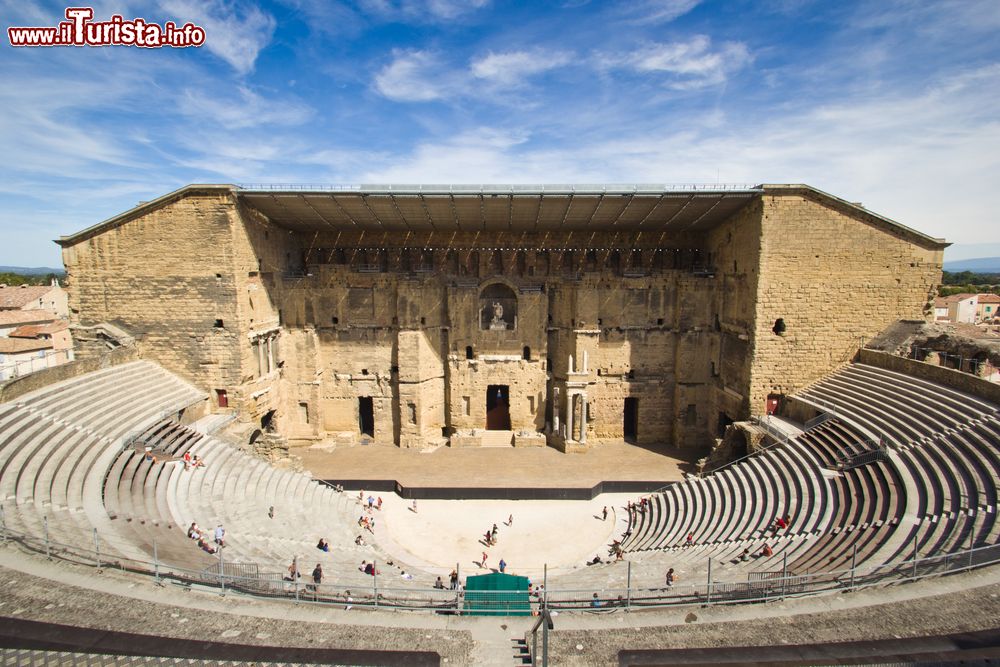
(497, 307)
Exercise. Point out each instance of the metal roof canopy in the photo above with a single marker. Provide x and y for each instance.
(523, 208)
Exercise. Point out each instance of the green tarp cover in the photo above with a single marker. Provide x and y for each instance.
(497, 595)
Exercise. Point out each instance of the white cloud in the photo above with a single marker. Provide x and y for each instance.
(927, 159)
(243, 109)
(423, 10)
(513, 67)
(657, 11)
(237, 34)
(480, 155)
(422, 76)
(413, 76)
(689, 65)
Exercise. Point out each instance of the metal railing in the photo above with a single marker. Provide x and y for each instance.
(38, 362)
(875, 451)
(980, 367)
(577, 188)
(370, 591)
(780, 440)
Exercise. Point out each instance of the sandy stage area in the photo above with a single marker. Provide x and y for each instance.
(442, 533)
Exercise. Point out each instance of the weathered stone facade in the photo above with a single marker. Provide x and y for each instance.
(340, 317)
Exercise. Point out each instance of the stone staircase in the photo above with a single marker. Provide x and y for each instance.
(498, 439)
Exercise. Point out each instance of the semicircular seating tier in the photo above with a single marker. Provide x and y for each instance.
(932, 491)
(74, 471)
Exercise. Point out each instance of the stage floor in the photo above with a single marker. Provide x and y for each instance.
(499, 467)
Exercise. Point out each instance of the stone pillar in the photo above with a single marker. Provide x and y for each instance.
(555, 410)
(583, 414)
(270, 354)
(569, 366)
(569, 415)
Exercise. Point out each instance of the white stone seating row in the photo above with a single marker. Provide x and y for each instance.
(865, 412)
(904, 409)
(925, 394)
(940, 407)
(54, 442)
(237, 490)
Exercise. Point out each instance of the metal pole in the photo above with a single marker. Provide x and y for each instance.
(971, 545)
(628, 587)
(45, 523)
(97, 549)
(914, 556)
(3, 523)
(854, 563)
(375, 583)
(784, 572)
(708, 587)
(222, 571)
(545, 638)
(545, 589)
(458, 589)
(156, 563)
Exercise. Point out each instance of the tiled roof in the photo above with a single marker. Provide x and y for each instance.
(17, 317)
(35, 330)
(16, 345)
(19, 296)
(989, 298)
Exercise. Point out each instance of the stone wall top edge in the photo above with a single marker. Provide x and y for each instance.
(856, 211)
(142, 209)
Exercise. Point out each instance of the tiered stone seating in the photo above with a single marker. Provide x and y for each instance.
(946, 443)
(56, 444)
(839, 513)
(158, 501)
(735, 509)
(903, 409)
(868, 504)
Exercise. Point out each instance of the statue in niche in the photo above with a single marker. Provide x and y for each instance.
(497, 321)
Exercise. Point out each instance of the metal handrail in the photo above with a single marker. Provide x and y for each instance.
(757, 586)
(30, 363)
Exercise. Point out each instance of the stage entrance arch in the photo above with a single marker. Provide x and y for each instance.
(498, 407)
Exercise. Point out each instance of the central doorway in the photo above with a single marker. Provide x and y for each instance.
(498, 407)
(366, 416)
(630, 427)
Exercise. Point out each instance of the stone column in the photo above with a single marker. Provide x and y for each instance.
(583, 418)
(569, 415)
(555, 410)
(270, 354)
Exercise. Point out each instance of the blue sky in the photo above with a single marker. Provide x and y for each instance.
(893, 103)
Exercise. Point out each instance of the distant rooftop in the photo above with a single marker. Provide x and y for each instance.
(18, 296)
